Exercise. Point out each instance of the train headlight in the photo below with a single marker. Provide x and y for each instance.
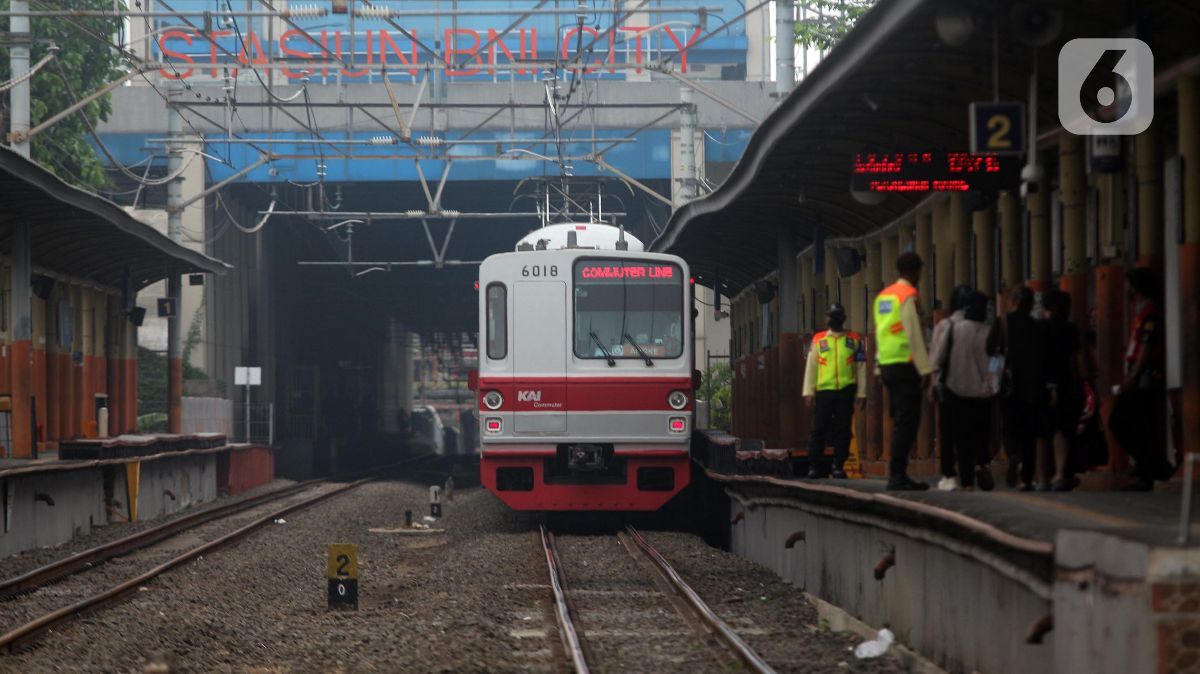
(493, 400)
(677, 400)
(493, 425)
(677, 425)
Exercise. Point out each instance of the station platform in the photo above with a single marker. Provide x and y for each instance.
(977, 581)
(88, 483)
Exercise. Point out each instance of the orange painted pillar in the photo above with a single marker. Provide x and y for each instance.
(84, 400)
(75, 427)
(1148, 148)
(21, 367)
(1073, 186)
(1038, 204)
(21, 372)
(38, 363)
(873, 446)
(889, 251)
(53, 412)
(1110, 350)
(789, 389)
(1189, 262)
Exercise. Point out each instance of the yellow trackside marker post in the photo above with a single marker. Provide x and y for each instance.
(133, 477)
(343, 575)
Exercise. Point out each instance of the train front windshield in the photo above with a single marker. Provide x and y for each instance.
(623, 303)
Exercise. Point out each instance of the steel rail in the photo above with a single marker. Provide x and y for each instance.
(749, 658)
(13, 639)
(87, 559)
(562, 612)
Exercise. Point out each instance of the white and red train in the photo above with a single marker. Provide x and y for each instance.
(585, 385)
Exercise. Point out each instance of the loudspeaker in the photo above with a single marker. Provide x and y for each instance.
(195, 279)
(42, 286)
(1036, 25)
(847, 260)
(137, 316)
(765, 291)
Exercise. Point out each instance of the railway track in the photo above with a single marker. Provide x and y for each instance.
(636, 605)
(145, 541)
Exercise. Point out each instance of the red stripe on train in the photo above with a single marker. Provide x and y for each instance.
(585, 394)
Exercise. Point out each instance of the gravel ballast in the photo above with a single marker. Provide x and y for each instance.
(473, 598)
(27, 560)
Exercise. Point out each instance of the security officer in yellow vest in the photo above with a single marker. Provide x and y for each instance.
(834, 376)
(903, 363)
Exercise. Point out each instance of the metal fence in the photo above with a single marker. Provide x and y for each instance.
(258, 427)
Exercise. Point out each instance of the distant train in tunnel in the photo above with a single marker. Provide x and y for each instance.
(585, 382)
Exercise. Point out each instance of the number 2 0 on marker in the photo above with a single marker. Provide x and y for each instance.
(342, 569)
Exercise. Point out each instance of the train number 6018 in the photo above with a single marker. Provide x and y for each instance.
(539, 270)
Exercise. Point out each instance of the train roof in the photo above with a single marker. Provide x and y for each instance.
(587, 235)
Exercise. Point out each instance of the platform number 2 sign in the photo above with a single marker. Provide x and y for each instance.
(997, 128)
(343, 575)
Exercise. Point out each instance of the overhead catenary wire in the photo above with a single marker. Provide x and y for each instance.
(32, 71)
(104, 148)
(262, 222)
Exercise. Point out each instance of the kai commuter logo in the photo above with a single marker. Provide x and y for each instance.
(1105, 86)
(529, 396)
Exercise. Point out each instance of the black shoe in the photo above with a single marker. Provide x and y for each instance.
(905, 483)
(1061, 485)
(839, 474)
(814, 474)
(1010, 475)
(983, 475)
(1142, 484)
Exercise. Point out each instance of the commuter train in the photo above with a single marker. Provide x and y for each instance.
(586, 380)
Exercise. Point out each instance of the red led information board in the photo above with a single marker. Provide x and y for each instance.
(626, 271)
(933, 172)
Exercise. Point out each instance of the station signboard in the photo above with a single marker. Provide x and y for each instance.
(933, 171)
(997, 127)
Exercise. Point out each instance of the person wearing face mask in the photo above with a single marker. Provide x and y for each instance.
(834, 378)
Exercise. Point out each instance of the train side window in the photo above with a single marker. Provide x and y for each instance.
(497, 321)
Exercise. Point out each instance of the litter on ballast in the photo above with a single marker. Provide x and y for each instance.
(875, 647)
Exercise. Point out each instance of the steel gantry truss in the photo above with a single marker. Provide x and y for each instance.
(555, 201)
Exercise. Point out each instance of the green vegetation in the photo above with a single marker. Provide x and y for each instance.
(720, 378)
(89, 64)
(825, 22)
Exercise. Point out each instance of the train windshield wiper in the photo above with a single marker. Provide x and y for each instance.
(643, 354)
(612, 362)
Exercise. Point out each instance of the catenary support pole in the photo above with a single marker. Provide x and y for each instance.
(785, 47)
(174, 289)
(20, 247)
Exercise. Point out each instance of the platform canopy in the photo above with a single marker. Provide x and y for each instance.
(80, 234)
(890, 85)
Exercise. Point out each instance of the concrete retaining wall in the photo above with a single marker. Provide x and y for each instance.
(961, 607)
(97, 495)
(78, 506)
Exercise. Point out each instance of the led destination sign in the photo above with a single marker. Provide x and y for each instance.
(627, 271)
(933, 172)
